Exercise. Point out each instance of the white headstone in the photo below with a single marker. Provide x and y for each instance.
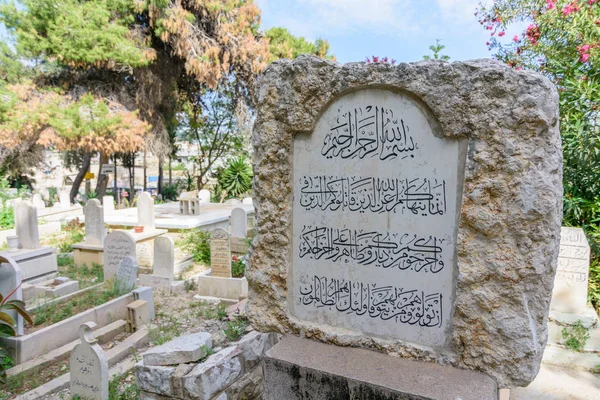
(233, 201)
(374, 219)
(164, 257)
(26, 225)
(127, 273)
(108, 202)
(239, 223)
(204, 196)
(145, 209)
(64, 197)
(95, 231)
(247, 200)
(38, 202)
(220, 253)
(117, 246)
(10, 278)
(89, 366)
(571, 281)
(189, 195)
(145, 254)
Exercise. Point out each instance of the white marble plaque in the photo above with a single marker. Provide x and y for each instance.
(220, 253)
(376, 199)
(204, 196)
(117, 245)
(95, 231)
(145, 254)
(26, 225)
(108, 202)
(164, 257)
(127, 273)
(571, 281)
(89, 367)
(145, 208)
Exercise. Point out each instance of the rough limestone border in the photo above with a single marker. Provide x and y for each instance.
(509, 229)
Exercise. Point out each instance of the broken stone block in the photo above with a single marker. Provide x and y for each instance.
(154, 379)
(253, 347)
(206, 380)
(181, 350)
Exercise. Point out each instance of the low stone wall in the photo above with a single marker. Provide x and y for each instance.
(233, 373)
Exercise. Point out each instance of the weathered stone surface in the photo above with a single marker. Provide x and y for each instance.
(508, 224)
(214, 375)
(154, 379)
(184, 349)
(253, 347)
(250, 386)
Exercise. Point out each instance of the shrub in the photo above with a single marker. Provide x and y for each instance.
(196, 243)
(235, 329)
(575, 336)
(236, 177)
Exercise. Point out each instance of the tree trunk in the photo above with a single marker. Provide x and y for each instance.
(85, 167)
(160, 175)
(115, 181)
(102, 179)
(145, 177)
(170, 171)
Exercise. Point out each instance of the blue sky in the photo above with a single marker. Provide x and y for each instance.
(400, 29)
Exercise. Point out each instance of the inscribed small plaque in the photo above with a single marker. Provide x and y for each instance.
(220, 253)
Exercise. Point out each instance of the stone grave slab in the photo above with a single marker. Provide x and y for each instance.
(181, 350)
(164, 257)
(127, 273)
(238, 223)
(95, 231)
(145, 207)
(392, 217)
(220, 253)
(204, 196)
(117, 246)
(145, 254)
(89, 366)
(26, 225)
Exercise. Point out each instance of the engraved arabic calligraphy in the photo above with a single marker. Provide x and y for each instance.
(421, 196)
(372, 132)
(410, 307)
(385, 250)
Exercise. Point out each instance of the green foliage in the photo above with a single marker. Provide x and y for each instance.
(8, 325)
(11, 69)
(282, 44)
(206, 310)
(170, 192)
(120, 389)
(436, 49)
(190, 285)
(196, 243)
(238, 266)
(235, 329)
(166, 328)
(76, 32)
(92, 194)
(575, 336)
(236, 178)
(75, 233)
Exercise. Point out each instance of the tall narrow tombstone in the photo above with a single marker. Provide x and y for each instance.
(95, 231)
(239, 223)
(164, 257)
(126, 276)
(89, 366)
(26, 225)
(64, 198)
(571, 283)
(145, 208)
(117, 246)
(204, 196)
(108, 202)
(392, 217)
(10, 279)
(38, 202)
(220, 253)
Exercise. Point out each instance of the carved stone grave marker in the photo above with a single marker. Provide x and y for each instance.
(220, 253)
(145, 208)
(108, 202)
(239, 223)
(89, 366)
(127, 273)
(204, 196)
(64, 198)
(117, 245)
(164, 257)
(26, 225)
(571, 282)
(399, 208)
(38, 202)
(95, 231)
(145, 254)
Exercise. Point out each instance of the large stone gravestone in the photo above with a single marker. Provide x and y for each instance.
(569, 295)
(126, 276)
(26, 225)
(413, 208)
(145, 208)
(204, 196)
(38, 201)
(117, 246)
(108, 202)
(164, 257)
(220, 253)
(89, 366)
(64, 198)
(95, 231)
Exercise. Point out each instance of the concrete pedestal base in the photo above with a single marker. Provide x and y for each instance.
(34, 263)
(223, 288)
(588, 317)
(87, 254)
(302, 369)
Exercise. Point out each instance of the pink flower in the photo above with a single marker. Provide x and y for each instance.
(584, 48)
(584, 57)
(501, 33)
(516, 39)
(550, 4)
(487, 43)
(519, 68)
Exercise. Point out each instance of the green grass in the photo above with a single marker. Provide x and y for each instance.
(235, 329)
(128, 391)
(205, 310)
(167, 327)
(84, 274)
(576, 336)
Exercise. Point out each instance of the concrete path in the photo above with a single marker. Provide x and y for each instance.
(559, 383)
